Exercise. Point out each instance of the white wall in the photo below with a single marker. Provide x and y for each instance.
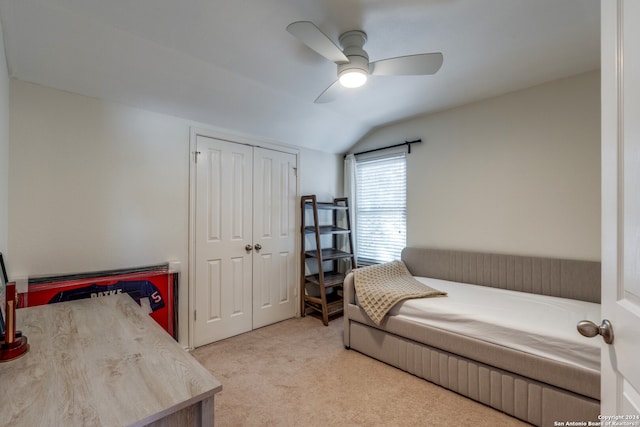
(4, 151)
(96, 185)
(321, 174)
(518, 174)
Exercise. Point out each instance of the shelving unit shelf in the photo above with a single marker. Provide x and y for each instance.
(327, 247)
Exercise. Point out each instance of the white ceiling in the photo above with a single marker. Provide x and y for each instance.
(232, 64)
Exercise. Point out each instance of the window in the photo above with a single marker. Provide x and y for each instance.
(381, 208)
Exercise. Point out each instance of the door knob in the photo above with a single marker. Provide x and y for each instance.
(248, 248)
(258, 246)
(589, 329)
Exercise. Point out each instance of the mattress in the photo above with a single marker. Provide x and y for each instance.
(536, 324)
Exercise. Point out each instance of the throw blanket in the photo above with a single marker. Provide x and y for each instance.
(379, 287)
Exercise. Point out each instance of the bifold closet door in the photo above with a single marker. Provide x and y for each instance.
(245, 264)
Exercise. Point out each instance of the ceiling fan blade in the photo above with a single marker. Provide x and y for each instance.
(330, 93)
(412, 65)
(311, 35)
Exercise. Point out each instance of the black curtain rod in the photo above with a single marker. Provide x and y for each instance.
(407, 143)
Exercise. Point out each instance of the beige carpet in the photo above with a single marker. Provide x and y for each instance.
(298, 373)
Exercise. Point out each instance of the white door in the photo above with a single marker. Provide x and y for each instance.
(223, 238)
(620, 28)
(245, 238)
(274, 236)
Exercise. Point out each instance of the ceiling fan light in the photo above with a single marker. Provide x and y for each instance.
(353, 78)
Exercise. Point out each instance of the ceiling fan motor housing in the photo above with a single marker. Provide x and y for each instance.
(352, 43)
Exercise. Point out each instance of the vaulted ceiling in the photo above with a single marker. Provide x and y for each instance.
(233, 65)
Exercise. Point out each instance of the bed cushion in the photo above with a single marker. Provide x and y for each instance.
(541, 325)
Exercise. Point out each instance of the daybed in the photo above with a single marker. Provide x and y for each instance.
(534, 386)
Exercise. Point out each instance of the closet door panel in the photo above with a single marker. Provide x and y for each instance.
(224, 205)
(275, 192)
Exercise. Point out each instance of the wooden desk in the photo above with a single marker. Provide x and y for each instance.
(102, 362)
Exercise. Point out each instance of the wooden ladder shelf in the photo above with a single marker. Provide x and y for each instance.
(327, 255)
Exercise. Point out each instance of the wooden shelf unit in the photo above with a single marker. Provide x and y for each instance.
(329, 251)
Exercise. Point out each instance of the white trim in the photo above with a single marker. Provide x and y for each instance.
(244, 139)
(194, 132)
(609, 184)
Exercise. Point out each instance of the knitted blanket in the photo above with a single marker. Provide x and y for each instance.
(379, 287)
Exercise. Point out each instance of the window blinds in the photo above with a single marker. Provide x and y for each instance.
(381, 208)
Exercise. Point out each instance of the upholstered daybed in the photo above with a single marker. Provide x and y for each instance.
(535, 386)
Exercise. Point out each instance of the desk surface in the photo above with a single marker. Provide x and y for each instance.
(98, 362)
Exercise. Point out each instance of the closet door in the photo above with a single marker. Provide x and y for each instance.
(223, 240)
(274, 264)
(245, 257)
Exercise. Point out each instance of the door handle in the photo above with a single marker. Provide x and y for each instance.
(589, 329)
(248, 248)
(258, 246)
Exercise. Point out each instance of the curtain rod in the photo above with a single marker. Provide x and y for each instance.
(407, 143)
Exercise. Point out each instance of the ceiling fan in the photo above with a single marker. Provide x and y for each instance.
(353, 62)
